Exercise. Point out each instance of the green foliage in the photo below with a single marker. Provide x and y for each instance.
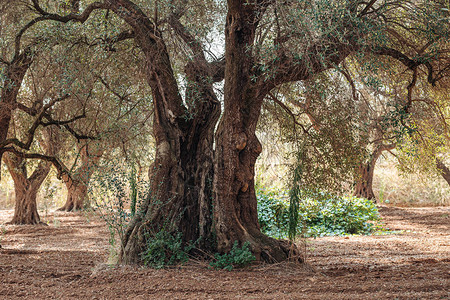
(112, 191)
(164, 249)
(326, 214)
(237, 257)
(319, 214)
(273, 212)
(327, 137)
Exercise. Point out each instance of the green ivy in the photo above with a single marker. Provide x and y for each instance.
(237, 257)
(164, 249)
(273, 212)
(319, 214)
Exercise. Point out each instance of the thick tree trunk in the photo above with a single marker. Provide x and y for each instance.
(445, 171)
(237, 147)
(25, 211)
(365, 171)
(76, 196)
(364, 181)
(181, 175)
(180, 199)
(26, 189)
(77, 183)
(181, 192)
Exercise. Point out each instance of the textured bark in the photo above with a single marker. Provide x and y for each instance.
(181, 175)
(25, 211)
(26, 189)
(363, 187)
(14, 75)
(238, 148)
(180, 196)
(365, 171)
(445, 171)
(76, 195)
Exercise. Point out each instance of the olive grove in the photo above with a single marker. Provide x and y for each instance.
(210, 66)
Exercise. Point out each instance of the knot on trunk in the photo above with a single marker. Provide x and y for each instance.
(240, 141)
(257, 148)
(244, 177)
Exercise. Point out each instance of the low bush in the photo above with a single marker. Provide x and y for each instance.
(333, 215)
(163, 249)
(320, 214)
(273, 212)
(238, 257)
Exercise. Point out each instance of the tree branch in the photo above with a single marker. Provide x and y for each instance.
(366, 9)
(44, 16)
(58, 165)
(323, 55)
(215, 70)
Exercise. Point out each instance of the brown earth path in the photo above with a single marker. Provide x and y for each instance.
(66, 260)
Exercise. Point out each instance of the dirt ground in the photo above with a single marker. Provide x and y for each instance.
(67, 260)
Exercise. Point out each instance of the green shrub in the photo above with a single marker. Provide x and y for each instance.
(237, 257)
(333, 215)
(319, 214)
(164, 249)
(273, 212)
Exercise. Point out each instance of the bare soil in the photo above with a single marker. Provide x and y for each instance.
(67, 260)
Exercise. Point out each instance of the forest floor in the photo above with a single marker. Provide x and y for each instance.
(67, 260)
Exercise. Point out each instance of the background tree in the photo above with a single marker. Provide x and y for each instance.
(426, 149)
(27, 186)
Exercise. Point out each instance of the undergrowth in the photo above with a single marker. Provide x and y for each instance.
(238, 257)
(164, 249)
(115, 196)
(319, 214)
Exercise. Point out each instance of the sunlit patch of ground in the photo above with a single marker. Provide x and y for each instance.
(66, 260)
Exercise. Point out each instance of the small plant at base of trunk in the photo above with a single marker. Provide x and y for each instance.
(237, 257)
(164, 249)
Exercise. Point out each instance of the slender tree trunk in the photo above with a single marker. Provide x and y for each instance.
(445, 171)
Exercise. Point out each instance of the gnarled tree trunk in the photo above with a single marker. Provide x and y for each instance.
(181, 175)
(180, 197)
(365, 172)
(14, 75)
(76, 195)
(364, 181)
(237, 146)
(77, 183)
(26, 189)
